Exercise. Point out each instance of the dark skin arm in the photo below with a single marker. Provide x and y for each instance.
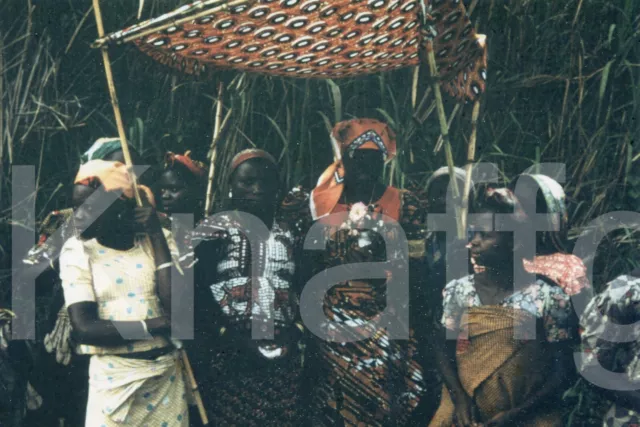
(89, 329)
(146, 219)
(466, 412)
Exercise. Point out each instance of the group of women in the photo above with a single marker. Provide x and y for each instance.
(115, 262)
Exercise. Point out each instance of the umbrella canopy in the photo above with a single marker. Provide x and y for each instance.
(316, 39)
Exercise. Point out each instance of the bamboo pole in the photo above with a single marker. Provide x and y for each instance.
(471, 155)
(102, 40)
(452, 116)
(444, 131)
(214, 150)
(114, 103)
(129, 165)
(194, 387)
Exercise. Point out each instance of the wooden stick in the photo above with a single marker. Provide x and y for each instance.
(444, 131)
(214, 149)
(114, 103)
(414, 87)
(471, 155)
(102, 40)
(129, 164)
(194, 387)
(452, 116)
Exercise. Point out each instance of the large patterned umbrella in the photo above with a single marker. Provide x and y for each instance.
(316, 39)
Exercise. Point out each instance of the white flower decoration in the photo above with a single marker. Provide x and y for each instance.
(358, 212)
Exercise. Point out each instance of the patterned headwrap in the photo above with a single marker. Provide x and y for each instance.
(104, 147)
(251, 153)
(198, 169)
(112, 176)
(554, 199)
(346, 137)
(502, 200)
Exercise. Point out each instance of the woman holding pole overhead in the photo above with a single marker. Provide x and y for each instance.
(117, 290)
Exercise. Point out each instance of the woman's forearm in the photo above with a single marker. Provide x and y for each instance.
(162, 257)
(91, 330)
(445, 352)
(107, 333)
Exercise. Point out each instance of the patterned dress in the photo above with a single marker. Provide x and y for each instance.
(619, 304)
(247, 382)
(375, 381)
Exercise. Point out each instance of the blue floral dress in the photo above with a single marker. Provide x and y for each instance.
(543, 300)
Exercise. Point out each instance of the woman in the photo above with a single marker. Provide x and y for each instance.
(552, 258)
(181, 184)
(617, 304)
(248, 382)
(490, 377)
(375, 381)
(117, 290)
(181, 188)
(54, 328)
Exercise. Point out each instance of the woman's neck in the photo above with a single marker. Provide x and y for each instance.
(503, 277)
(120, 241)
(265, 214)
(366, 193)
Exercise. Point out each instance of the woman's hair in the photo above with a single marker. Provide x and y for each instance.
(498, 201)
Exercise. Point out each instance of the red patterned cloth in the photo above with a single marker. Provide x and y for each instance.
(197, 168)
(312, 38)
(566, 270)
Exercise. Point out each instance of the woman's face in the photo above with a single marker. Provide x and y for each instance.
(174, 193)
(492, 249)
(254, 183)
(363, 166)
(95, 211)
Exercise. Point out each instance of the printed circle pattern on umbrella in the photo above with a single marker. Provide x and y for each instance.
(329, 39)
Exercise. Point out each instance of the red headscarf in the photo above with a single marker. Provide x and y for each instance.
(346, 137)
(197, 168)
(251, 153)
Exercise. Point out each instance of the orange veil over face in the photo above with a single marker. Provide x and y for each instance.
(347, 136)
(113, 176)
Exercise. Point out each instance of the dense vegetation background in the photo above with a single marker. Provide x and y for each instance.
(564, 86)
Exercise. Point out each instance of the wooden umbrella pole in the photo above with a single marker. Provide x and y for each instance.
(214, 148)
(115, 105)
(471, 155)
(224, 5)
(444, 131)
(451, 117)
(129, 164)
